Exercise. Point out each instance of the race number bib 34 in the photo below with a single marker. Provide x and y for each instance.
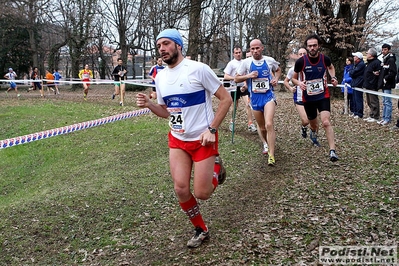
(260, 85)
(176, 121)
(315, 86)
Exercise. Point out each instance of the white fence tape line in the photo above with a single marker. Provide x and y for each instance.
(139, 82)
(11, 142)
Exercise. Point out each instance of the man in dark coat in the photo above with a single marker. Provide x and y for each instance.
(370, 82)
(357, 73)
(386, 82)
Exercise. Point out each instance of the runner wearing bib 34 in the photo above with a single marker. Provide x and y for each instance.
(316, 97)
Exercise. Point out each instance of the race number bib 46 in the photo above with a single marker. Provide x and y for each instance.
(176, 121)
(315, 86)
(260, 85)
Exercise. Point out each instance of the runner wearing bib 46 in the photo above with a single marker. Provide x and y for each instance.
(258, 71)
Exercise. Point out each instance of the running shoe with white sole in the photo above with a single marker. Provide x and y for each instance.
(333, 156)
(252, 128)
(231, 126)
(265, 148)
(199, 237)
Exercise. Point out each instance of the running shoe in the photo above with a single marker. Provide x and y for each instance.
(252, 128)
(222, 172)
(199, 236)
(304, 131)
(371, 120)
(85, 96)
(271, 161)
(265, 148)
(384, 123)
(313, 138)
(113, 96)
(121, 104)
(333, 156)
(380, 122)
(18, 95)
(231, 126)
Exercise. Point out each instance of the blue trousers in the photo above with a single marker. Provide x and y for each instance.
(358, 103)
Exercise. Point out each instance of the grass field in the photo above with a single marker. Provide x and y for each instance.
(103, 196)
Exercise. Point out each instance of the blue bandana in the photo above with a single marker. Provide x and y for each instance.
(171, 34)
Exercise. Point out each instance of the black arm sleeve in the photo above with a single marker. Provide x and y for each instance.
(299, 64)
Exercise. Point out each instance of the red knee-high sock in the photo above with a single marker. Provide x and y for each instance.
(191, 208)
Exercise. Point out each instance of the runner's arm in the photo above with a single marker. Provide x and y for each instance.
(142, 100)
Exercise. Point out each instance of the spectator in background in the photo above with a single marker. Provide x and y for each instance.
(153, 73)
(346, 81)
(357, 73)
(386, 82)
(371, 74)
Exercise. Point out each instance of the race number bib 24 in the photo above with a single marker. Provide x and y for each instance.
(176, 121)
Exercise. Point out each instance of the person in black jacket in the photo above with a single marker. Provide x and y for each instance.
(370, 82)
(357, 73)
(386, 82)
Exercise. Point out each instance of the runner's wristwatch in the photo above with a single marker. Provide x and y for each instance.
(212, 130)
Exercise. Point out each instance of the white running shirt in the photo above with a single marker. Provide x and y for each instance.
(187, 91)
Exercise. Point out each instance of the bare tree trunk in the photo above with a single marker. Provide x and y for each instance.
(194, 28)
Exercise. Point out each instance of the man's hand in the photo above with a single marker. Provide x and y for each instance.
(274, 82)
(207, 138)
(142, 100)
